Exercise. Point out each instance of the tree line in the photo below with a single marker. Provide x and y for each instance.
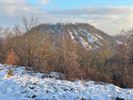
(41, 53)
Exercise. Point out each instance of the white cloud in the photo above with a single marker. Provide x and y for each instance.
(43, 2)
(19, 7)
(109, 19)
(13, 7)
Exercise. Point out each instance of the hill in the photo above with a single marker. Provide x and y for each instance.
(85, 34)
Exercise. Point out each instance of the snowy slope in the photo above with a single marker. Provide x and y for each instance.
(25, 85)
(87, 39)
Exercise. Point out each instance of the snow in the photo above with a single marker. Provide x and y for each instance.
(88, 40)
(71, 35)
(90, 36)
(26, 85)
(99, 36)
(119, 42)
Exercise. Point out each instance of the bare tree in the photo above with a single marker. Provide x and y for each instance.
(28, 24)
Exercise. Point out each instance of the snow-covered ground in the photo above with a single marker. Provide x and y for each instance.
(25, 85)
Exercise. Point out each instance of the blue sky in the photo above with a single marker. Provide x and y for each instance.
(65, 4)
(110, 16)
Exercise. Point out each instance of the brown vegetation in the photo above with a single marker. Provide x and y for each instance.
(42, 53)
(12, 58)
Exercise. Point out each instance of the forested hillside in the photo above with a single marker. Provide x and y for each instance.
(79, 51)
